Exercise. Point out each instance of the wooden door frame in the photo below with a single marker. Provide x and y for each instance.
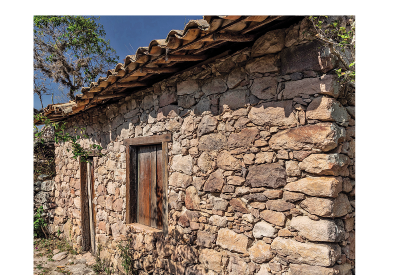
(131, 145)
(85, 218)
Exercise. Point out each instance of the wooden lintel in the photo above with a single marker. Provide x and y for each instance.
(129, 84)
(170, 58)
(147, 140)
(233, 37)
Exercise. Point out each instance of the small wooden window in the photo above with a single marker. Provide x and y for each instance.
(147, 176)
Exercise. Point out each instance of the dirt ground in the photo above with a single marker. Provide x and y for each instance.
(56, 257)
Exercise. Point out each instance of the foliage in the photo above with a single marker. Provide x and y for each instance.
(71, 51)
(60, 135)
(127, 260)
(44, 160)
(338, 32)
(39, 223)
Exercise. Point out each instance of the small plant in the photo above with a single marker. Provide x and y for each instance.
(127, 260)
(39, 223)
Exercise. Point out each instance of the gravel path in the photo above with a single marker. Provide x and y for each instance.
(63, 263)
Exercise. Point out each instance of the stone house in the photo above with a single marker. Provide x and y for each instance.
(228, 148)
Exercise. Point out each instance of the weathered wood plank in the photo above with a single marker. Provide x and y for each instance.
(90, 204)
(144, 184)
(164, 171)
(86, 244)
(159, 188)
(153, 186)
(131, 184)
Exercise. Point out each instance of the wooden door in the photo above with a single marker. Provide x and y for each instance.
(150, 186)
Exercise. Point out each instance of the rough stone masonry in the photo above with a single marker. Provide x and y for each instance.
(261, 165)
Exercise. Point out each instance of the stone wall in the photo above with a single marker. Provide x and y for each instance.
(261, 165)
(44, 196)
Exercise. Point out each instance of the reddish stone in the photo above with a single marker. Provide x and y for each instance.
(243, 139)
(279, 205)
(271, 175)
(215, 182)
(238, 205)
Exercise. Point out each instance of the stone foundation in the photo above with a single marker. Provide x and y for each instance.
(261, 165)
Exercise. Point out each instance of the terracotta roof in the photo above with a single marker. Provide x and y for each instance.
(162, 56)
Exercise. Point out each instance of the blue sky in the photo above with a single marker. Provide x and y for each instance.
(128, 33)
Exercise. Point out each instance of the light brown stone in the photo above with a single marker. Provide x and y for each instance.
(273, 194)
(207, 125)
(318, 231)
(182, 164)
(237, 266)
(235, 180)
(188, 126)
(259, 205)
(205, 162)
(211, 259)
(325, 207)
(239, 205)
(292, 168)
(271, 175)
(273, 114)
(263, 229)
(265, 157)
(118, 205)
(285, 233)
(205, 239)
(192, 200)
(270, 42)
(318, 137)
(325, 85)
(292, 196)
(210, 142)
(215, 182)
(260, 252)
(226, 161)
(302, 269)
(325, 164)
(307, 253)
(327, 109)
(179, 180)
(273, 217)
(317, 186)
(244, 138)
(232, 241)
(279, 205)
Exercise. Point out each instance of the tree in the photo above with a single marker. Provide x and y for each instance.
(71, 51)
(338, 32)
